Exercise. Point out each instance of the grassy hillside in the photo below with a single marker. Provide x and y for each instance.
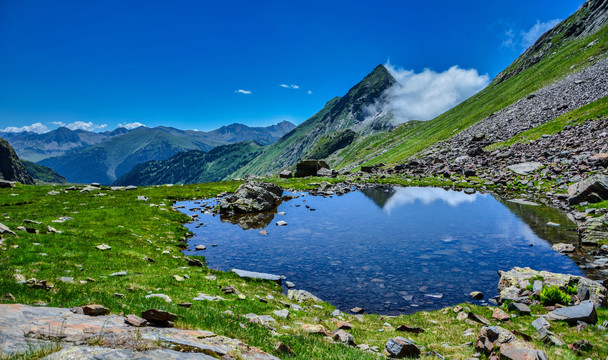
(43, 173)
(138, 232)
(193, 166)
(566, 58)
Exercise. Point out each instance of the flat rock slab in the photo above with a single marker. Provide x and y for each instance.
(585, 312)
(257, 275)
(23, 327)
(101, 353)
(525, 168)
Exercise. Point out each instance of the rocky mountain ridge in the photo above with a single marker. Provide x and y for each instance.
(11, 169)
(358, 110)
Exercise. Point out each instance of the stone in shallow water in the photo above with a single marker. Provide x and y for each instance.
(563, 248)
(257, 275)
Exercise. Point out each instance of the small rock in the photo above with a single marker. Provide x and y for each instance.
(200, 247)
(284, 349)
(563, 248)
(195, 262)
(281, 223)
(289, 284)
(185, 304)
(95, 310)
(159, 317)
(357, 310)
(344, 325)
(540, 323)
(477, 295)
(119, 273)
(523, 309)
(136, 321)
(478, 318)
(400, 348)
(500, 314)
(103, 247)
(162, 296)
(410, 329)
(333, 313)
(284, 313)
(343, 337)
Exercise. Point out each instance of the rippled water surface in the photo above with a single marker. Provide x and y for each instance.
(388, 250)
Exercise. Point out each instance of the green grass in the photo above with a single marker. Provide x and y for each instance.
(591, 111)
(136, 230)
(407, 140)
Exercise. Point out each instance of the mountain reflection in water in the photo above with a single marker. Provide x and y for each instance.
(389, 249)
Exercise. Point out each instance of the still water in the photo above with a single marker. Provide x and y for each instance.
(389, 250)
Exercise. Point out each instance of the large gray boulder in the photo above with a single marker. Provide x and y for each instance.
(513, 283)
(310, 167)
(594, 229)
(593, 189)
(252, 197)
(584, 312)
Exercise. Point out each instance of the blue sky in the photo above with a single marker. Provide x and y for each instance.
(87, 64)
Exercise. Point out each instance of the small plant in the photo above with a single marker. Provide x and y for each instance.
(552, 295)
(572, 290)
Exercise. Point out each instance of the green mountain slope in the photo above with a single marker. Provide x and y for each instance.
(564, 50)
(193, 166)
(42, 173)
(348, 112)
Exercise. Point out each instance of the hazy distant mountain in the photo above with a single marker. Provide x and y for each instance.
(107, 160)
(193, 166)
(35, 147)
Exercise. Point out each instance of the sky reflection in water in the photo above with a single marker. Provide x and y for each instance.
(389, 250)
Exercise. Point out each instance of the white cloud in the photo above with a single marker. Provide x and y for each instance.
(509, 39)
(241, 91)
(58, 123)
(426, 196)
(88, 126)
(292, 86)
(36, 127)
(131, 126)
(309, 92)
(529, 37)
(424, 95)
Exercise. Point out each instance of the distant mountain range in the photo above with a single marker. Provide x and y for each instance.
(349, 131)
(117, 154)
(334, 127)
(193, 166)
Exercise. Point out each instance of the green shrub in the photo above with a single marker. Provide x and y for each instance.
(552, 295)
(572, 290)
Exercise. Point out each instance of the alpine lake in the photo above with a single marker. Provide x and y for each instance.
(390, 250)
